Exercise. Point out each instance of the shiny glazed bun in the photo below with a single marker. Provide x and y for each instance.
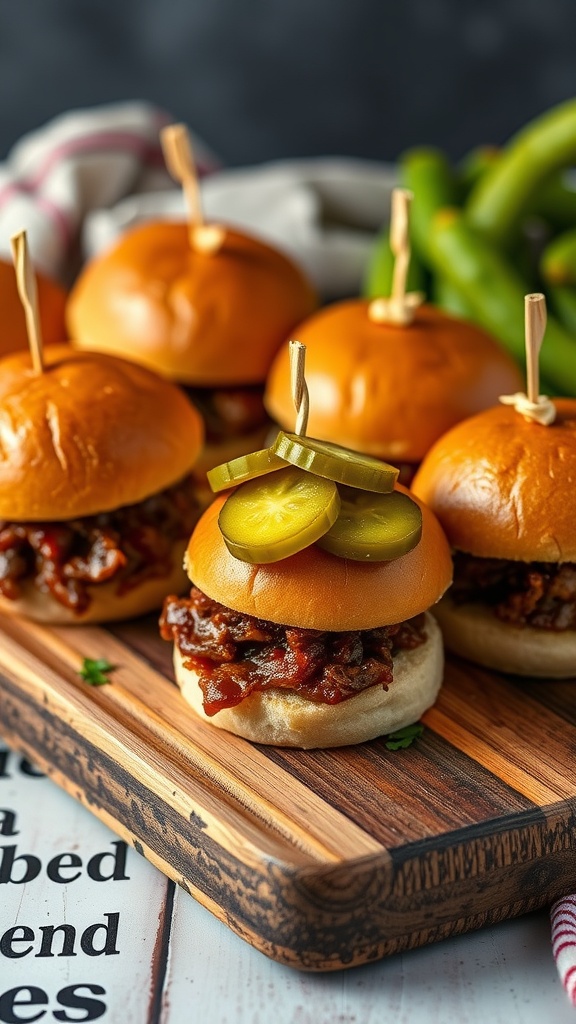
(316, 590)
(503, 487)
(390, 390)
(199, 318)
(285, 719)
(90, 434)
(51, 305)
(108, 603)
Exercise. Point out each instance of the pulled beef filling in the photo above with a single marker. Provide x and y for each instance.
(539, 594)
(236, 654)
(229, 412)
(130, 544)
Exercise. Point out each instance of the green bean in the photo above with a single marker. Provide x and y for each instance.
(428, 175)
(448, 297)
(495, 293)
(378, 276)
(556, 203)
(563, 300)
(558, 263)
(474, 166)
(503, 194)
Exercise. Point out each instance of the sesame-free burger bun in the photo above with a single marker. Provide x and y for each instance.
(474, 632)
(283, 718)
(316, 590)
(389, 390)
(108, 602)
(200, 318)
(51, 305)
(503, 487)
(88, 435)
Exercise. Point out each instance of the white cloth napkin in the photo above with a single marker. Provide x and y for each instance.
(78, 182)
(90, 174)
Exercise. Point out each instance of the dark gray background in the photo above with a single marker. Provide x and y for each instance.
(261, 79)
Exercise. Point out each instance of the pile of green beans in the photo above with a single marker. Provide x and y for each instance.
(488, 231)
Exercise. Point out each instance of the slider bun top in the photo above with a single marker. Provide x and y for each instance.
(51, 304)
(316, 590)
(504, 487)
(90, 434)
(390, 390)
(199, 318)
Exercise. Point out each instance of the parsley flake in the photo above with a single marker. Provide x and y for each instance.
(95, 671)
(404, 737)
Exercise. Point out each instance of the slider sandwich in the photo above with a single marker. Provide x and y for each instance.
(97, 497)
(205, 305)
(503, 485)
(307, 624)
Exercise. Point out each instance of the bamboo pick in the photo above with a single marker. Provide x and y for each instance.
(299, 388)
(533, 406)
(534, 326)
(401, 306)
(28, 292)
(179, 157)
(400, 242)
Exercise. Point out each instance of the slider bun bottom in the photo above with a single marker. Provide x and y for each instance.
(105, 604)
(283, 718)
(474, 632)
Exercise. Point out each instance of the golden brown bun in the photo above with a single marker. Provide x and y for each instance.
(51, 304)
(106, 605)
(198, 318)
(474, 632)
(88, 435)
(285, 719)
(388, 390)
(503, 487)
(316, 590)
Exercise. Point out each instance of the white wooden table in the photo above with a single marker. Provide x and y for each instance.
(90, 931)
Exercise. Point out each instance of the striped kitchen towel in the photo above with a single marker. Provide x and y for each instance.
(563, 919)
(81, 161)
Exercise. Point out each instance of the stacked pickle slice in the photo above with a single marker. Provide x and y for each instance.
(304, 491)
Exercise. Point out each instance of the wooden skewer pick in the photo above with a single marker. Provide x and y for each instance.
(297, 352)
(400, 241)
(27, 290)
(179, 157)
(533, 406)
(534, 326)
(401, 305)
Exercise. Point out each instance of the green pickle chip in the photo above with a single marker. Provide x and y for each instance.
(275, 516)
(373, 527)
(342, 465)
(245, 467)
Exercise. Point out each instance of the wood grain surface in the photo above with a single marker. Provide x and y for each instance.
(321, 859)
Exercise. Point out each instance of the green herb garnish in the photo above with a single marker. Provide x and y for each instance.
(95, 671)
(404, 737)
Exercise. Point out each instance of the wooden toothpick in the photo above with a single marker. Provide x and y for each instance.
(533, 406)
(401, 306)
(27, 290)
(179, 157)
(297, 353)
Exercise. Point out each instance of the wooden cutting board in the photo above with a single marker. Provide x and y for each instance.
(321, 859)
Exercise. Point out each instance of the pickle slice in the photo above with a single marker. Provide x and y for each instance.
(342, 465)
(373, 527)
(273, 517)
(245, 467)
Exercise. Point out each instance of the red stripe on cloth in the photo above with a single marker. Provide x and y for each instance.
(558, 948)
(569, 980)
(149, 153)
